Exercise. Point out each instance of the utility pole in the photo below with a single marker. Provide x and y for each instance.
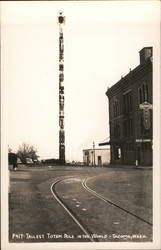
(94, 154)
(61, 22)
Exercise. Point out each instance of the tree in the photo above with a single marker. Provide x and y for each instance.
(33, 154)
(9, 149)
(27, 151)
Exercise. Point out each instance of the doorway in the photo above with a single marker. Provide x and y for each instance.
(99, 160)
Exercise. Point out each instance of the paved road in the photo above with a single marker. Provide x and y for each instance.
(36, 216)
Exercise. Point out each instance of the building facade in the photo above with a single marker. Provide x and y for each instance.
(130, 114)
(96, 157)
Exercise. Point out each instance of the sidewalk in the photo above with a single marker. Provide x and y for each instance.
(129, 166)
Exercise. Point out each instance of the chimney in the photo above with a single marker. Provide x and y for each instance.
(145, 53)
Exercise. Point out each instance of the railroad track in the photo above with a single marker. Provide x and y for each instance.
(84, 184)
(94, 193)
(68, 210)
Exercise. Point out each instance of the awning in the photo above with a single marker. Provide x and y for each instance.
(104, 143)
(109, 143)
(114, 142)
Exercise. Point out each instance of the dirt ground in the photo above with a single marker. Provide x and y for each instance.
(35, 216)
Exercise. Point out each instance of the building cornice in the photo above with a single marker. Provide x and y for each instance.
(129, 79)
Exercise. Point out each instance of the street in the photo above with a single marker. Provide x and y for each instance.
(80, 204)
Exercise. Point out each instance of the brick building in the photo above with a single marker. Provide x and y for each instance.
(130, 114)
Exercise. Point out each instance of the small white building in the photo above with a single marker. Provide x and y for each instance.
(98, 157)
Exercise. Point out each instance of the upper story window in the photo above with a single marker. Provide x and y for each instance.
(116, 111)
(116, 130)
(127, 102)
(143, 93)
(128, 127)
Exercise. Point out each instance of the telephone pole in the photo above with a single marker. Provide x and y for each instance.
(94, 154)
(61, 22)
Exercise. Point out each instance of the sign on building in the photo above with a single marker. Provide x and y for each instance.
(145, 106)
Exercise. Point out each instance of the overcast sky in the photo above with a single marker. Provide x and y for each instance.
(102, 41)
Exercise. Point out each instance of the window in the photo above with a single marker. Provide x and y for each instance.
(116, 130)
(127, 102)
(128, 127)
(144, 93)
(116, 108)
(140, 95)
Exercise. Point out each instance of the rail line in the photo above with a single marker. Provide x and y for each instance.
(84, 184)
(68, 210)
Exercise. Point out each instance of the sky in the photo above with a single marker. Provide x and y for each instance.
(101, 43)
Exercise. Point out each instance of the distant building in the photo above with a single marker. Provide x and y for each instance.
(96, 157)
(130, 114)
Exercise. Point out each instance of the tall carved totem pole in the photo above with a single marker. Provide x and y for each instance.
(61, 21)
